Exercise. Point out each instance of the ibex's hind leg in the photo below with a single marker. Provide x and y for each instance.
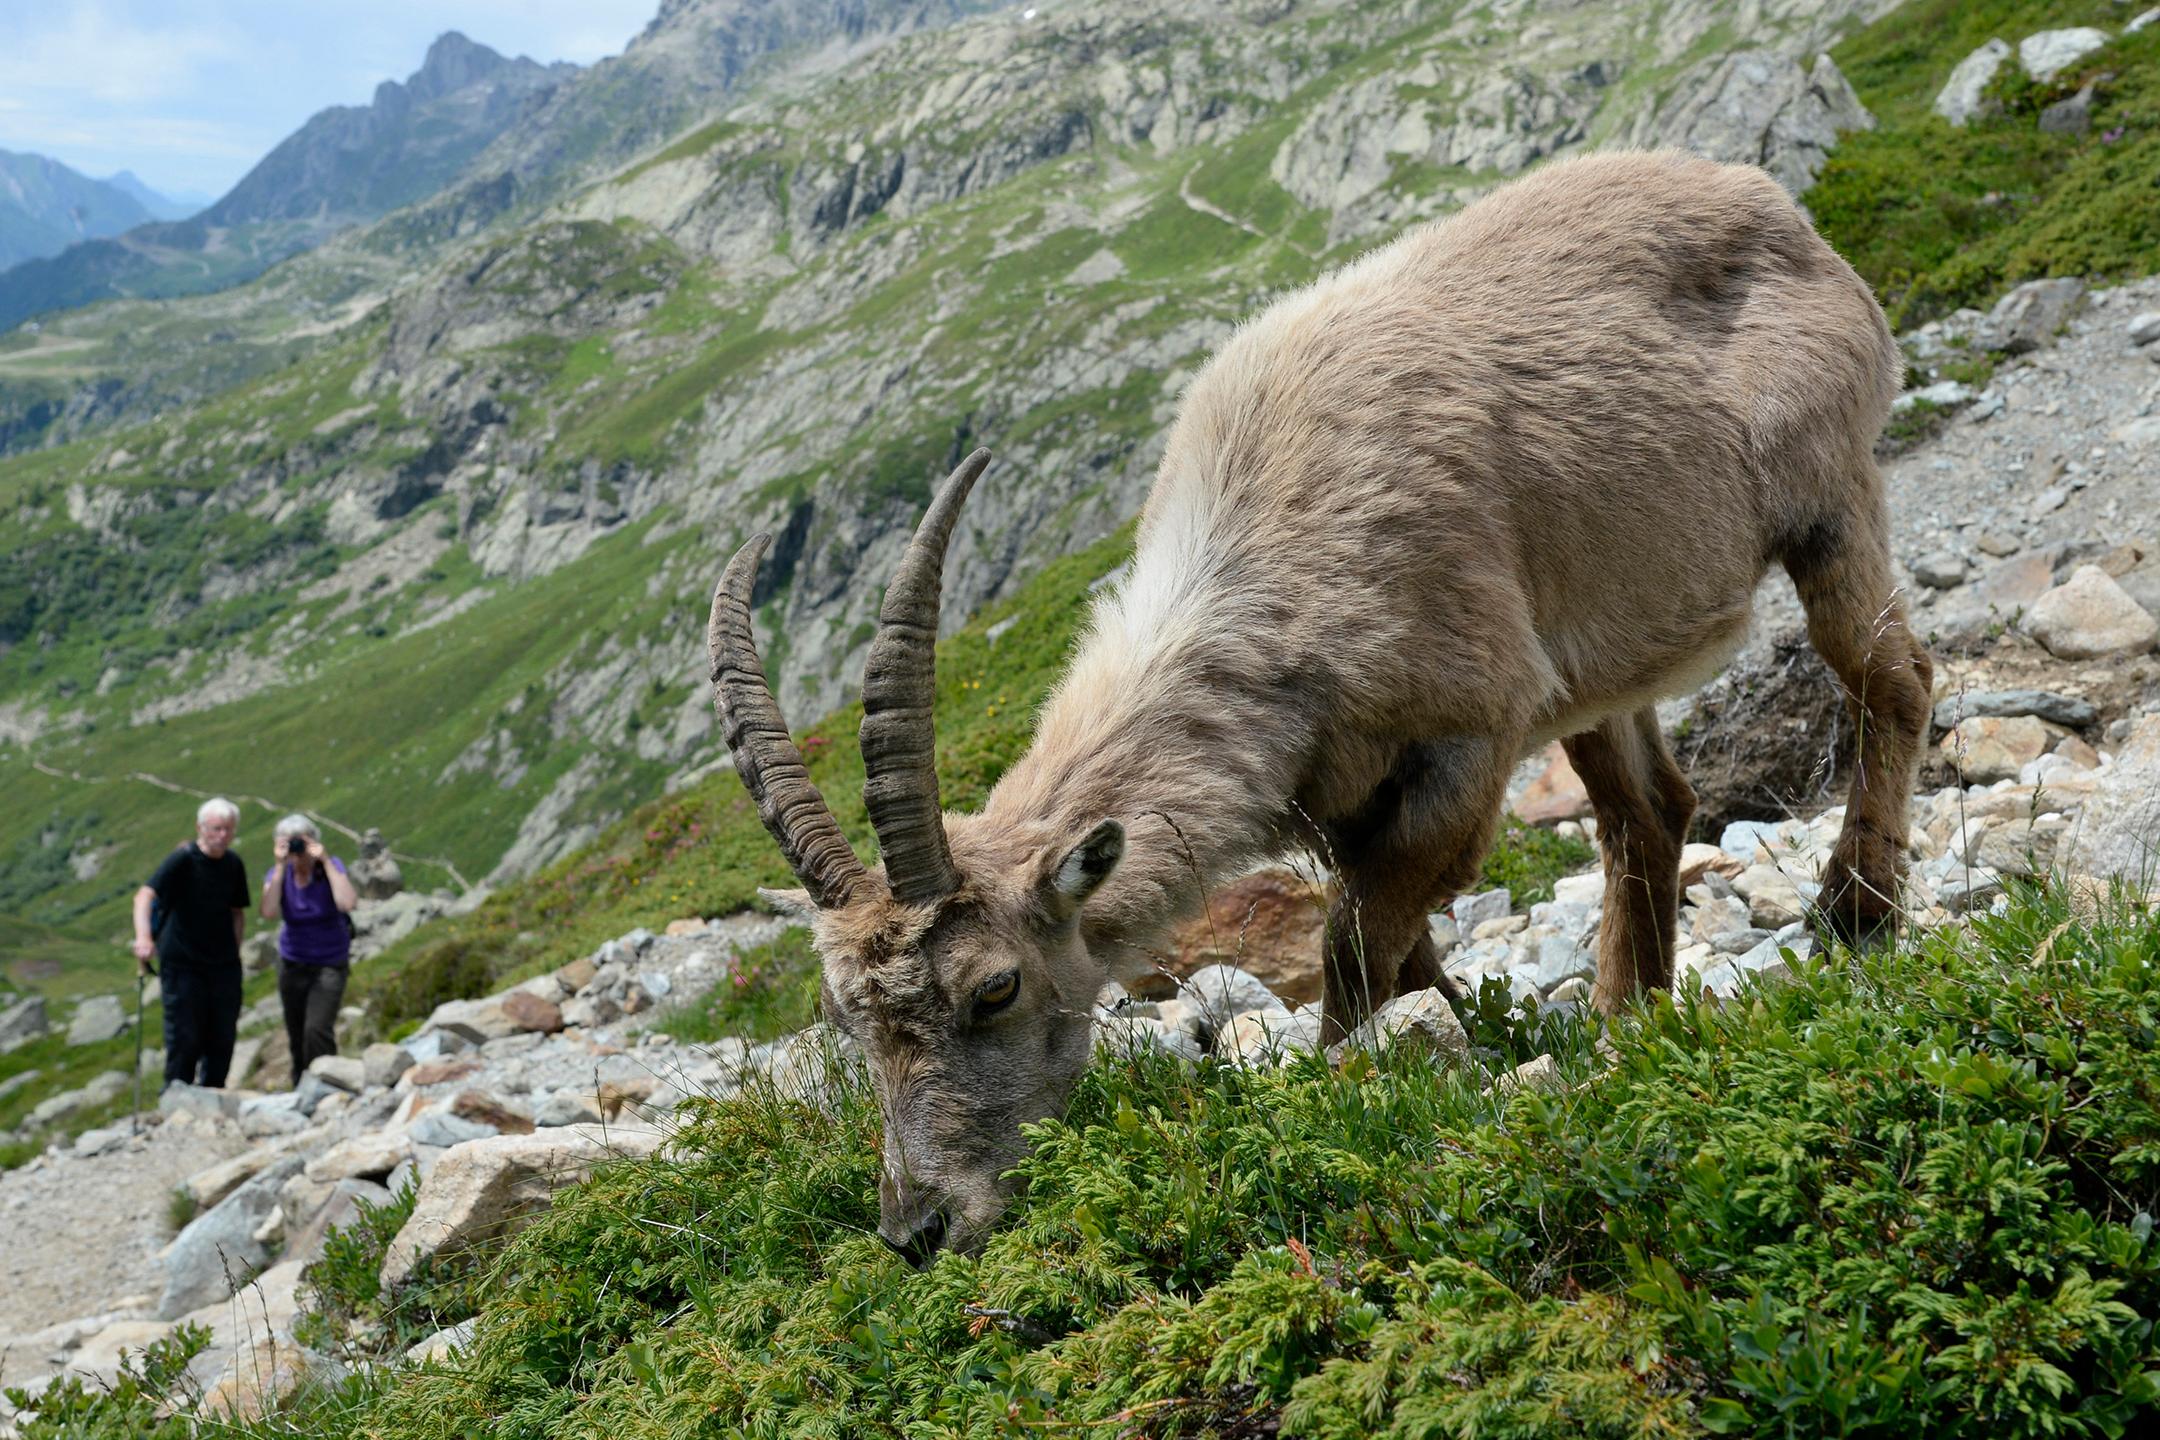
(1418, 843)
(1643, 805)
(1857, 624)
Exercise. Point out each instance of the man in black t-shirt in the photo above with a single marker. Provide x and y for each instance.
(204, 891)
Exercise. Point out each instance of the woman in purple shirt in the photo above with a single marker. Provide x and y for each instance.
(310, 891)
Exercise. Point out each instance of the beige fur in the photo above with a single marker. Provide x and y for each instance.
(1513, 476)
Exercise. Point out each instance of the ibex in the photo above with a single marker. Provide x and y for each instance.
(1512, 477)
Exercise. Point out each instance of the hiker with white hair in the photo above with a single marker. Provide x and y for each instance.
(307, 888)
(202, 890)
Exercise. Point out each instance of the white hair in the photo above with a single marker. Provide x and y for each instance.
(296, 825)
(217, 809)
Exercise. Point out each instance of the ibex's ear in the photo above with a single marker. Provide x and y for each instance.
(794, 904)
(1084, 867)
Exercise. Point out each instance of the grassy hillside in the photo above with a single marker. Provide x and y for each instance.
(1910, 1194)
(1937, 217)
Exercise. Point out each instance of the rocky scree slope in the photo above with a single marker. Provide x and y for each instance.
(524, 464)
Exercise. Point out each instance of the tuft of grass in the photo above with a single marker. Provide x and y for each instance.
(179, 1209)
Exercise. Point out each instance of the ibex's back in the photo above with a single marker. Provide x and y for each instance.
(1571, 426)
(1513, 476)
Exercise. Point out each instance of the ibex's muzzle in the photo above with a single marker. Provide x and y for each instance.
(920, 1248)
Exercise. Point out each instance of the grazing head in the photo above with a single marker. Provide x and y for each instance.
(958, 965)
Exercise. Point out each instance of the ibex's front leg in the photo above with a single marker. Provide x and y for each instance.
(1416, 845)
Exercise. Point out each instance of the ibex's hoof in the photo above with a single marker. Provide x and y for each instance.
(1854, 912)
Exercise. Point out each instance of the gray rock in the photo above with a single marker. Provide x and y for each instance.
(311, 1092)
(2045, 53)
(198, 1099)
(2028, 317)
(487, 1188)
(1969, 888)
(382, 1063)
(1743, 837)
(1939, 571)
(1943, 395)
(98, 1142)
(2145, 328)
(21, 1022)
(1740, 942)
(443, 1344)
(97, 1019)
(1761, 107)
(2064, 710)
(104, 1089)
(2118, 831)
(218, 1251)
(1962, 97)
(1557, 959)
(566, 1107)
(2071, 116)
(1419, 1023)
(1219, 994)
(1472, 911)
(439, 1127)
(346, 1072)
(2090, 617)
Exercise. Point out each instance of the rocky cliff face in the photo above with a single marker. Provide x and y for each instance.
(46, 207)
(923, 231)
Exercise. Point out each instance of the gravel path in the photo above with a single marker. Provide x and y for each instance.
(81, 1236)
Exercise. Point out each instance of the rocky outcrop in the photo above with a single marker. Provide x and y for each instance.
(1762, 107)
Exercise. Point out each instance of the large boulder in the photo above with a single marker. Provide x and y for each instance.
(2118, 831)
(2050, 51)
(484, 1190)
(218, 1251)
(21, 1022)
(2028, 317)
(1763, 108)
(1420, 1023)
(1268, 924)
(1768, 739)
(1992, 748)
(1964, 95)
(97, 1019)
(2090, 617)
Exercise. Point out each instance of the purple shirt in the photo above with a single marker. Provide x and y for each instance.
(314, 932)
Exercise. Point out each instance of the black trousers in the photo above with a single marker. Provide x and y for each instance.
(202, 1010)
(311, 995)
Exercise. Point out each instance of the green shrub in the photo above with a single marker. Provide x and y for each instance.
(137, 1404)
(1906, 1194)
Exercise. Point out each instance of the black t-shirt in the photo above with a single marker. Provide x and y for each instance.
(199, 895)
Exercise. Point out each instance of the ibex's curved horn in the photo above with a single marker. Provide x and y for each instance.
(770, 765)
(899, 743)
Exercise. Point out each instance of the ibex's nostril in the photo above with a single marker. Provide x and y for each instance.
(920, 1248)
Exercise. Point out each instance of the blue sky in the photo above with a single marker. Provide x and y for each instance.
(190, 93)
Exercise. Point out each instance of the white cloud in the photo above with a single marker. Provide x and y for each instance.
(85, 49)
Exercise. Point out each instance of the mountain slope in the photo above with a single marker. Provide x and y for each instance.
(346, 165)
(46, 207)
(526, 465)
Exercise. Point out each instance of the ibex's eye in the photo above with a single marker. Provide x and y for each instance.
(997, 992)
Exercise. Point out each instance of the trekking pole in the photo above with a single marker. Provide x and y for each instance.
(135, 1120)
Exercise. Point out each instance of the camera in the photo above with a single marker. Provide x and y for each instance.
(296, 845)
